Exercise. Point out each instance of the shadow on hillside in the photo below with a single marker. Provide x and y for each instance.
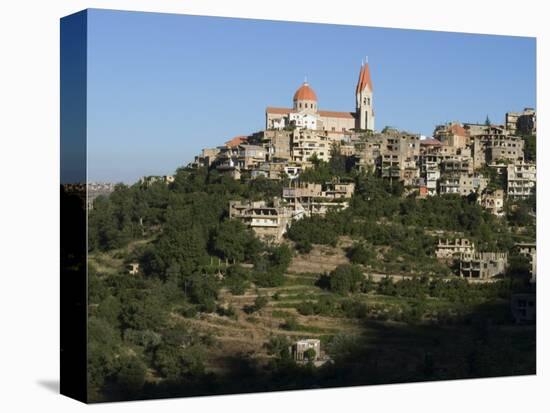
(485, 343)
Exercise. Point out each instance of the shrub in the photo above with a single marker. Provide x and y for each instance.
(345, 279)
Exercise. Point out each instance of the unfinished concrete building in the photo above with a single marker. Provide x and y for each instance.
(496, 145)
(522, 122)
(529, 250)
(482, 265)
(524, 307)
(522, 179)
(298, 350)
(307, 199)
(462, 184)
(452, 248)
(269, 223)
(493, 201)
(306, 143)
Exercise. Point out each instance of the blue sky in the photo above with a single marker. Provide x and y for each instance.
(162, 86)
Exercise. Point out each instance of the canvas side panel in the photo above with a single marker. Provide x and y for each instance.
(73, 382)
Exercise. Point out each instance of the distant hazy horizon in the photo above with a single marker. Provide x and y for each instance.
(163, 86)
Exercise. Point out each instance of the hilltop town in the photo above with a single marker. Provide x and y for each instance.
(318, 252)
(484, 161)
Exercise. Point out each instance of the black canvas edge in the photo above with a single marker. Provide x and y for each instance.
(73, 206)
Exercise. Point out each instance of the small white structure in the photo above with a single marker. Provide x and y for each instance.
(303, 120)
(133, 268)
(299, 349)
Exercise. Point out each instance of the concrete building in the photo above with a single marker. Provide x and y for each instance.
(308, 199)
(133, 268)
(522, 179)
(299, 349)
(269, 170)
(524, 307)
(522, 122)
(306, 143)
(462, 184)
(150, 180)
(399, 153)
(529, 250)
(483, 265)
(495, 145)
(276, 143)
(453, 248)
(269, 223)
(493, 201)
(456, 164)
(452, 134)
(206, 158)
(429, 170)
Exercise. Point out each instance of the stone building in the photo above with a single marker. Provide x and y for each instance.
(521, 178)
(483, 265)
(305, 113)
(452, 248)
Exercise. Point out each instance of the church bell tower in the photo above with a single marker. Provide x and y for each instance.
(364, 104)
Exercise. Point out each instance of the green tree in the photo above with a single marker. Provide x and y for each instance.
(345, 279)
(233, 241)
(131, 376)
(310, 354)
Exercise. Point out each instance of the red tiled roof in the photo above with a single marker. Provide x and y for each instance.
(304, 92)
(237, 140)
(279, 111)
(324, 113)
(457, 129)
(364, 79)
(334, 114)
(429, 141)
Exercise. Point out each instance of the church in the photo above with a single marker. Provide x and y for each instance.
(306, 114)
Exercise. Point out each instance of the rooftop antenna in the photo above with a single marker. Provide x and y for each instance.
(362, 63)
(366, 59)
(305, 79)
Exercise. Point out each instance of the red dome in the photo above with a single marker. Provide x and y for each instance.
(305, 93)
